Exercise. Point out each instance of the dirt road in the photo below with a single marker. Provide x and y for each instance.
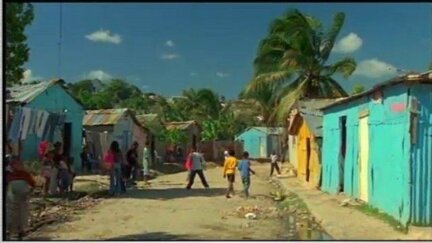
(168, 211)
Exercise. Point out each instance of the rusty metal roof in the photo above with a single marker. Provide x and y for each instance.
(103, 117)
(180, 125)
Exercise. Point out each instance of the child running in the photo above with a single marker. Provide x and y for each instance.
(20, 183)
(229, 172)
(245, 170)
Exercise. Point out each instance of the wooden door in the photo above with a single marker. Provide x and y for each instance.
(364, 158)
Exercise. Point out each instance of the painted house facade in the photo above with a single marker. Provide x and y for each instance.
(305, 139)
(260, 142)
(54, 98)
(101, 127)
(377, 146)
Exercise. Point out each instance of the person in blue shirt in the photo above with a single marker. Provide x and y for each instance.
(245, 169)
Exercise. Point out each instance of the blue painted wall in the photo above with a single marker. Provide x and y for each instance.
(421, 156)
(389, 154)
(252, 140)
(56, 99)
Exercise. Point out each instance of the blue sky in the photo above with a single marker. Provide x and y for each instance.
(166, 47)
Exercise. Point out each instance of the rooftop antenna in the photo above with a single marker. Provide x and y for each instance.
(60, 39)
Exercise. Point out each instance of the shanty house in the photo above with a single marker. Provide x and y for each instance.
(104, 126)
(305, 139)
(377, 146)
(155, 126)
(192, 130)
(44, 111)
(260, 142)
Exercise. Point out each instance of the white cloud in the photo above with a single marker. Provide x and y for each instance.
(98, 74)
(104, 36)
(28, 76)
(193, 74)
(170, 43)
(374, 68)
(350, 43)
(222, 75)
(169, 56)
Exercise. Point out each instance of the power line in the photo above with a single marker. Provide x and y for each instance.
(60, 39)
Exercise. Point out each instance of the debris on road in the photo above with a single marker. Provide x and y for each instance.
(250, 216)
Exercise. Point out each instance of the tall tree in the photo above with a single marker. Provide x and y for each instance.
(294, 56)
(18, 17)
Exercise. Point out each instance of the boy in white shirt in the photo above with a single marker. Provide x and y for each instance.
(274, 164)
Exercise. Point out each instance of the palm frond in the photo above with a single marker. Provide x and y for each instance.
(289, 96)
(330, 37)
(345, 67)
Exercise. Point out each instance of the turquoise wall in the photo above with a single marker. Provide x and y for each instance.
(252, 139)
(56, 99)
(421, 157)
(389, 152)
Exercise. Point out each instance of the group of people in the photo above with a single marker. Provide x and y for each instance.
(58, 174)
(57, 169)
(123, 171)
(195, 164)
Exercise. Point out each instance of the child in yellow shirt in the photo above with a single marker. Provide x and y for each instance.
(230, 166)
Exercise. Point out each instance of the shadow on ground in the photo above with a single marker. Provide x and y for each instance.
(172, 193)
(144, 236)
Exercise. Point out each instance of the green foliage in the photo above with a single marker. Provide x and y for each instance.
(291, 63)
(374, 212)
(358, 88)
(223, 128)
(18, 17)
(173, 136)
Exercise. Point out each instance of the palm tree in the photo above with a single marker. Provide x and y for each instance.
(292, 60)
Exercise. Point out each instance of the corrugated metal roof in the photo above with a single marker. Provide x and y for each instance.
(314, 123)
(103, 117)
(144, 119)
(180, 125)
(309, 109)
(408, 79)
(27, 92)
(269, 130)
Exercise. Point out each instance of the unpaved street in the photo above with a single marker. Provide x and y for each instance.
(167, 211)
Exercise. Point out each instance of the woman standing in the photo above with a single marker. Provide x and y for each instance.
(47, 167)
(146, 160)
(114, 160)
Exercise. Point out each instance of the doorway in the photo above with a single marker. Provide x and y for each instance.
(343, 126)
(194, 138)
(308, 156)
(67, 138)
(364, 158)
(152, 149)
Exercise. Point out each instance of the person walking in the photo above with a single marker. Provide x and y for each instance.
(245, 170)
(188, 164)
(20, 183)
(274, 164)
(197, 161)
(230, 165)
